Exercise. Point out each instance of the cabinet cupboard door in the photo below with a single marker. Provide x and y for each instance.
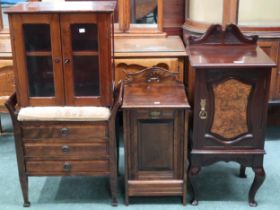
(225, 111)
(156, 147)
(38, 59)
(86, 58)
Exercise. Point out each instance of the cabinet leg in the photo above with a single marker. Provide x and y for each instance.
(126, 200)
(184, 199)
(258, 181)
(242, 173)
(24, 188)
(193, 172)
(113, 186)
(1, 129)
(118, 128)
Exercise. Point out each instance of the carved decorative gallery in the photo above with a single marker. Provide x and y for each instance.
(154, 74)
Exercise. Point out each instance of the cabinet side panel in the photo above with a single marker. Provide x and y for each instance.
(106, 77)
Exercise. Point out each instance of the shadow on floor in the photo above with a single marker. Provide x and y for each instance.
(75, 190)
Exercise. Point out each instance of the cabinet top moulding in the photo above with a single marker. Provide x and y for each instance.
(65, 7)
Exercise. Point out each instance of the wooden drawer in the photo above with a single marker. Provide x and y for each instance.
(94, 167)
(64, 131)
(66, 150)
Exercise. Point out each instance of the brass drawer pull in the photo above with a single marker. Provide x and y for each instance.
(65, 149)
(67, 167)
(64, 132)
(155, 114)
(153, 79)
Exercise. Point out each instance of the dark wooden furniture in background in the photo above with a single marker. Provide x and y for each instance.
(155, 113)
(134, 55)
(63, 56)
(230, 99)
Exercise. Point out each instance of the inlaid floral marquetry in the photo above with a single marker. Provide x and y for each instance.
(230, 111)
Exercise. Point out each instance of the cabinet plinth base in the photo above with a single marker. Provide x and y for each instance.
(156, 188)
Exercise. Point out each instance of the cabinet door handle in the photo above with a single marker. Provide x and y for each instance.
(66, 61)
(67, 167)
(57, 60)
(64, 132)
(65, 149)
(203, 112)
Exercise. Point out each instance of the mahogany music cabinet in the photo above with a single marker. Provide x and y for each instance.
(65, 122)
(230, 97)
(155, 112)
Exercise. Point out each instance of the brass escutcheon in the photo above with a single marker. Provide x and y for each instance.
(203, 113)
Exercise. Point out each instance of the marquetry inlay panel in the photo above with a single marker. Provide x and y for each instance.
(230, 108)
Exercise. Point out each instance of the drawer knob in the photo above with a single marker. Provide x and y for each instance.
(65, 149)
(64, 132)
(67, 167)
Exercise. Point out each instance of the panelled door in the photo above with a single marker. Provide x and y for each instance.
(156, 149)
(225, 112)
(86, 52)
(39, 75)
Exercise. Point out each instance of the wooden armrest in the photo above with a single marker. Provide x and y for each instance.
(118, 97)
(11, 106)
(11, 103)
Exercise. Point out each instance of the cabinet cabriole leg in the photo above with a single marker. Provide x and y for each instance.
(193, 172)
(258, 181)
(242, 173)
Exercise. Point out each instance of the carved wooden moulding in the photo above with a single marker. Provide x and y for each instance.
(153, 74)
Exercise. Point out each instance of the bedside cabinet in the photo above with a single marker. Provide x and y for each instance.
(155, 112)
(232, 77)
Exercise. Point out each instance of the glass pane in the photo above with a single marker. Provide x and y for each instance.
(84, 37)
(116, 13)
(37, 37)
(40, 76)
(144, 11)
(206, 11)
(259, 13)
(86, 75)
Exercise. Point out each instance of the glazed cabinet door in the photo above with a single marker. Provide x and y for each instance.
(156, 146)
(37, 49)
(225, 114)
(86, 48)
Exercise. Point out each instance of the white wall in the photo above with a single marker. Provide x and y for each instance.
(259, 12)
(207, 11)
